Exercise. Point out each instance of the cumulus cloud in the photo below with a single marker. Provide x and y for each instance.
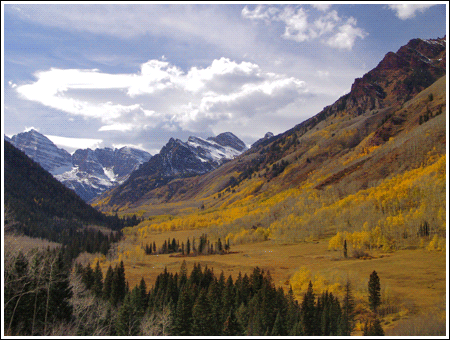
(301, 25)
(162, 95)
(408, 11)
(346, 35)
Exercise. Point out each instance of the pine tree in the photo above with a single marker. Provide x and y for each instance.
(143, 295)
(88, 276)
(183, 314)
(183, 275)
(128, 320)
(188, 247)
(373, 328)
(278, 326)
(59, 292)
(374, 291)
(118, 285)
(108, 283)
(97, 286)
(231, 326)
(201, 316)
(308, 312)
(347, 323)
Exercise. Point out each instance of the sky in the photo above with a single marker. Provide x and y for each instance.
(108, 75)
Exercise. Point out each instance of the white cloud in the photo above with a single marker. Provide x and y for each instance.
(322, 7)
(29, 128)
(408, 11)
(162, 96)
(346, 35)
(71, 144)
(135, 146)
(117, 127)
(334, 30)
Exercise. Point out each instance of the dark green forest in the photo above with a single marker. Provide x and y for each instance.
(39, 206)
(43, 296)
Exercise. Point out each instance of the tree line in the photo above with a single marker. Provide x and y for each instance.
(205, 247)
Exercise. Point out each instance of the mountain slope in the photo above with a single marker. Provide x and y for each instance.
(33, 197)
(338, 144)
(178, 159)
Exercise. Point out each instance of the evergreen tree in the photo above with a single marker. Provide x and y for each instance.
(97, 286)
(143, 295)
(347, 323)
(188, 247)
(215, 307)
(297, 329)
(278, 326)
(88, 276)
(231, 326)
(373, 328)
(59, 307)
(307, 312)
(108, 283)
(183, 314)
(127, 323)
(118, 285)
(201, 316)
(374, 291)
(183, 276)
(345, 249)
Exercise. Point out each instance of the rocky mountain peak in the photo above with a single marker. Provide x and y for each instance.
(37, 146)
(229, 139)
(398, 77)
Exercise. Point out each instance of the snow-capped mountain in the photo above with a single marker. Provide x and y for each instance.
(179, 159)
(87, 172)
(42, 150)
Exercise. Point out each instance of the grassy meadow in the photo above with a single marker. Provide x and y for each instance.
(413, 282)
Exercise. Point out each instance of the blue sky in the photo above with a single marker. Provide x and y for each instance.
(96, 75)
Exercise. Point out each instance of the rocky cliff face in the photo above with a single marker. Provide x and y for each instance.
(397, 78)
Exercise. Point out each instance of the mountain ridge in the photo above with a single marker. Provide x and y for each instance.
(377, 109)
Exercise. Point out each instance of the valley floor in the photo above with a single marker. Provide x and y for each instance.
(413, 282)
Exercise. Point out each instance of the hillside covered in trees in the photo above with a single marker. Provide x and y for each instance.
(39, 206)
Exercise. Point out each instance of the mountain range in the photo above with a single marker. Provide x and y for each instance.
(92, 172)
(387, 124)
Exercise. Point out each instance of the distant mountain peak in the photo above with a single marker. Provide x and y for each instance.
(229, 139)
(179, 159)
(37, 146)
(88, 172)
(266, 137)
